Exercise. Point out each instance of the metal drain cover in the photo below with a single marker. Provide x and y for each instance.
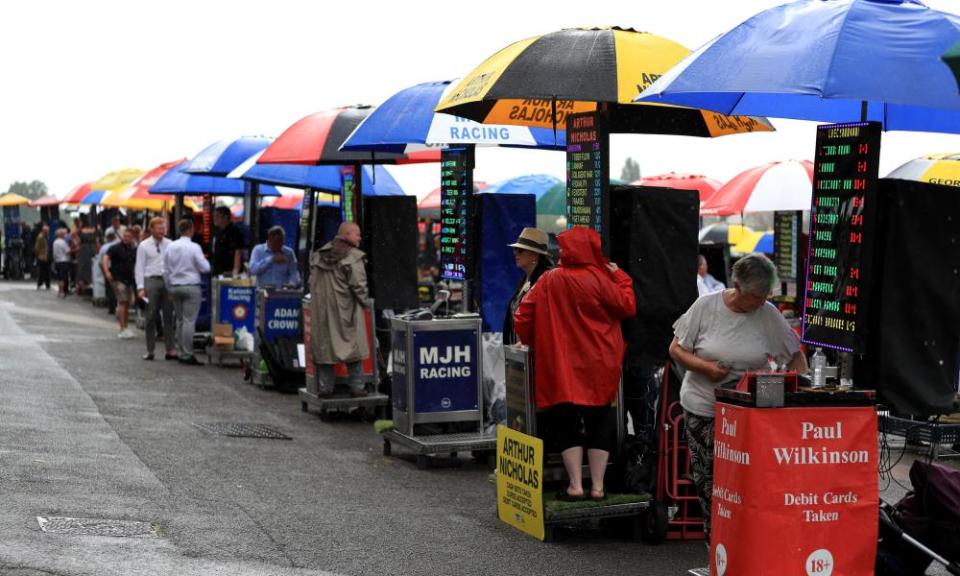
(97, 527)
(242, 430)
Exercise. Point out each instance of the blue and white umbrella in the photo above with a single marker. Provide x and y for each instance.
(377, 181)
(822, 60)
(406, 122)
(220, 158)
(177, 181)
(536, 184)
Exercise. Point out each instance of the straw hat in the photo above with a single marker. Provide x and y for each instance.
(534, 240)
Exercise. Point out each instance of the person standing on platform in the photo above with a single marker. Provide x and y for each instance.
(274, 264)
(720, 337)
(338, 288)
(183, 267)
(118, 264)
(61, 260)
(227, 244)
(571, 322)
(41, 251)
(152, 289)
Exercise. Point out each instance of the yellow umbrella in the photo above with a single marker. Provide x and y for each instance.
(12, 199)
(115, 183)
(539, 79)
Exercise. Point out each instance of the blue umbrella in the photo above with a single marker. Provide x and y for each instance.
(407, 118)
(177, 181)
(220, 158)
(765, 244)
(820, 60)
(536, 184)
(325, 177)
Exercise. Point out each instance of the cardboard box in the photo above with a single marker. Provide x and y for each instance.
(223, 336)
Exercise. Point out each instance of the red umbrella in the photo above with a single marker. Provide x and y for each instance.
(316, 139)
(48, 200)
(773, 186)
(702, 184)
(77, 194)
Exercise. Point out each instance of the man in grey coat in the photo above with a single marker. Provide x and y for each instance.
(338, 288)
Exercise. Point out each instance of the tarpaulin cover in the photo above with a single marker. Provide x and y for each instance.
(390, 241)
(653, 237)
(498, 220)
(914, 340)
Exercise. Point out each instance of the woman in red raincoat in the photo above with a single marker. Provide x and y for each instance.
(571, 321)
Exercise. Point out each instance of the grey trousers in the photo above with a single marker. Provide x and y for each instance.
(186, 306)
(327, 380)
(158, 297)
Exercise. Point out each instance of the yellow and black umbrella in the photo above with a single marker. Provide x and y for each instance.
(538, 81)
(942, 169)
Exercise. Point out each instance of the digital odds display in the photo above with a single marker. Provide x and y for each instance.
(588, 145)
(348, 192)
(842, 221)
(456, 186)
(787, 238)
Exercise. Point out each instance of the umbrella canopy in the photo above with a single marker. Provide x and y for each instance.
(702, 184)
(723, 233)
(317, 138)
(377, 181)
(176, 181)
(429, 206)
(942, 169)
(536, 184)
(220, 158)
(111, 184)
(137, 196)
(11, 199)
(820, 60)
(77, 194)
(773, 186)
(406, 122)
(539, 79)
(293, 200)
(45, 201)
(93, 197)
(751, 241)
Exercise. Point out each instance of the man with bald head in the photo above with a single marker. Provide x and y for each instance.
(338, 289)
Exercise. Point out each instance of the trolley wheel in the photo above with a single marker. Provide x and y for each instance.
(324, 416)
(652, 526)
(453, 454)
(304, 407)
(423, 462)
(368, 415)
(387, 449)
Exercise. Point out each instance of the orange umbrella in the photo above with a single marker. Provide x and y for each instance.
(137, 196)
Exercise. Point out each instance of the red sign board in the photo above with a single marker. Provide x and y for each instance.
(795, 491)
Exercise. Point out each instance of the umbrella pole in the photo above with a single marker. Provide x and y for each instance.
(863, 110)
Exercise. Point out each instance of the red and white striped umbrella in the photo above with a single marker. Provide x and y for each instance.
(773, 186)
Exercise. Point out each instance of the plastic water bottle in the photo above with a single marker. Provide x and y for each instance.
(818, 362)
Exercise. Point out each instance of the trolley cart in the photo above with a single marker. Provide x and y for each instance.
(234, 302)
(275, 362)
(373, 405)
(437, 396)
(632, 518)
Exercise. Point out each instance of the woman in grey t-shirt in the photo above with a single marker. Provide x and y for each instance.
(720, 337)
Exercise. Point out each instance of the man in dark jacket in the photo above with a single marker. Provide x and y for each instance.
(119, 263)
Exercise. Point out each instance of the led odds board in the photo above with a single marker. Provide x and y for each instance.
(588, 145)
(456, 186)
(842, 222)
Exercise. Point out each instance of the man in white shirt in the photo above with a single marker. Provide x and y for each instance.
(152, 289)
(706, 284)
(61, 261)
(183, 265)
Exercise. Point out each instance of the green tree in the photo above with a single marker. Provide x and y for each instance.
(31, 190)
(630, 171)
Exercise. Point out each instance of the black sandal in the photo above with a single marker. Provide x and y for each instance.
(564, 496)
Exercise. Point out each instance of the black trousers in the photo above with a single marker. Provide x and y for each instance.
(590, 427)
(43, 274)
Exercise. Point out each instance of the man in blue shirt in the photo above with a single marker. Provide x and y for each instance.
(274, 264)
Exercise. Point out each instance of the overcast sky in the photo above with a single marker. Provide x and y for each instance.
(94, 86)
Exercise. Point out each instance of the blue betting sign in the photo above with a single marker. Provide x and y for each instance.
(281, 317)
(236, 306)
(446, 367)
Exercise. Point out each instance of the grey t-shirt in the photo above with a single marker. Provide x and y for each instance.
(742, 342)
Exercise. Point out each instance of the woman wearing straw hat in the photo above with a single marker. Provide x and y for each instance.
(530, 254)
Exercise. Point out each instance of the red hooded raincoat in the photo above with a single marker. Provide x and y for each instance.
(571, 320)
